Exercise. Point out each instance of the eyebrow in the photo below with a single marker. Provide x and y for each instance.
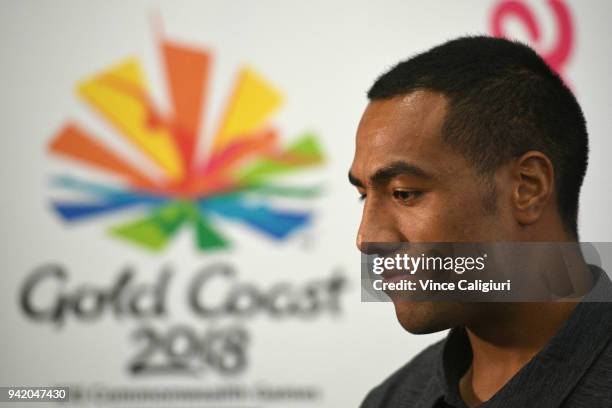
(384, 174)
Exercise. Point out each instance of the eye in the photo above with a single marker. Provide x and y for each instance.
(405, 196)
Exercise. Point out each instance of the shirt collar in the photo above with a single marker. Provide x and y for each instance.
(556, 368)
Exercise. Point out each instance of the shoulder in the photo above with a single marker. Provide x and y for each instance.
(596, 383)
(413, 377)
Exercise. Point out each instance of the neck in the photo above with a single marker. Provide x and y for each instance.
(509, 335)
(499, 351)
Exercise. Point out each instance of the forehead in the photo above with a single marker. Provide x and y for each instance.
(402, 128)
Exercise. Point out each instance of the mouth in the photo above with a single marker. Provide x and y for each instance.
(392, 276)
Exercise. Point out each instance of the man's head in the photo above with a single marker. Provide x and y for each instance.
(474, 140)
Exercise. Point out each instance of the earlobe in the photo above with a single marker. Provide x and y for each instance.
(533, 173)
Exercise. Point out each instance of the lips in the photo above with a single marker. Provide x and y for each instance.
(394, 275)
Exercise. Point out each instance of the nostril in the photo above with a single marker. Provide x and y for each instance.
(380, 248)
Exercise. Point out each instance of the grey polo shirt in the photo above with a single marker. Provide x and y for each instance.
(573, 370)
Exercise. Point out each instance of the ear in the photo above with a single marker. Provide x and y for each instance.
(533, 188)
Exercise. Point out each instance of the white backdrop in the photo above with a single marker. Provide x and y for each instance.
(323, 56)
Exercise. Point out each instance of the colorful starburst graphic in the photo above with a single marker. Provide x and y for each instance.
(244, 157)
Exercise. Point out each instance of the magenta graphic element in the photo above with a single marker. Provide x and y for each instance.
(559, 54)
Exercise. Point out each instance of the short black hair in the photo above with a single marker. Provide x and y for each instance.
(504, 100)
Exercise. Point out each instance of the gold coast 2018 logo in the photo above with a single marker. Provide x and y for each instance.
(233, 180)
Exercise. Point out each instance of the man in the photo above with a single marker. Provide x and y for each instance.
(478, 140)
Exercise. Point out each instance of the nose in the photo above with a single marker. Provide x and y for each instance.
(378, 232)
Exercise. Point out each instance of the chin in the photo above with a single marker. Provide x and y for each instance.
(429, 317)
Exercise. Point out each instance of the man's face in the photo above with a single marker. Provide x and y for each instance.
(417, 189)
